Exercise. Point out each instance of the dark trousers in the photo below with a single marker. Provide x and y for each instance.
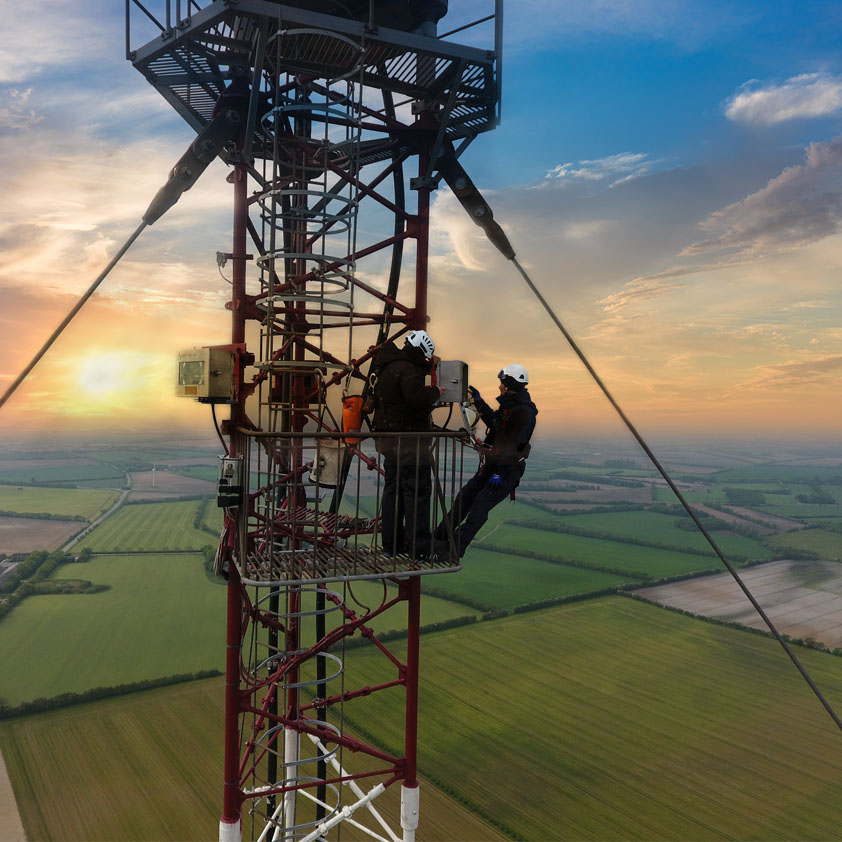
(474, 502)
(405, 516)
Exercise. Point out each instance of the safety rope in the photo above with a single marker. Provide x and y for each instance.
(640, 440)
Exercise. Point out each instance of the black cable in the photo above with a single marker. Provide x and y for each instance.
(69, 317)
(678, 494)
(218, 431)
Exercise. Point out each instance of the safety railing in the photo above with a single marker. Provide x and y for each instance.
(329, 506)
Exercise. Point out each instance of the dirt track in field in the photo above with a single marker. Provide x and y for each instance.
(802, 598)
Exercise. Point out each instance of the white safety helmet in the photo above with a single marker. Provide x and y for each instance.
(421, 339)
(516, 375)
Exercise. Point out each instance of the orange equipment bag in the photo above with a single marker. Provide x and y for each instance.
(352, 416)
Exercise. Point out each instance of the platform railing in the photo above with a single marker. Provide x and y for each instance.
(315, 505)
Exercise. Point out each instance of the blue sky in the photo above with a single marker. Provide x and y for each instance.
(669, 172)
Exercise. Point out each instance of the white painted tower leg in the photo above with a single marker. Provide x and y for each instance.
(229, 831)
(291, 754)
(409, 811)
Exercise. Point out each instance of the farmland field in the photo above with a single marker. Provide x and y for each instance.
(161, 616)
(662, 529)
(602, 553)
(501, 580)
(627, 722)
(69, 474)
(149, 527)
(95, 759)
(824, 544)
(23, 535)
(87, 502)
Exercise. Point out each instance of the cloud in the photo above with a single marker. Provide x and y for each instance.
(801, 97)
(63, 36)
(793, 375)
(634, 292)
(17, 112)
(801, 205)
(614, 169)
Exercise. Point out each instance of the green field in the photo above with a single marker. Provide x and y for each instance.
(662, 529)
(802, 511)
(824, 544)
(149, 527)
(604, 720)
(69, 474)
(56, 501)
(601, 553)
(499, 580)
(161, 617)
(148, 767)
(776, 472)
(615, 720)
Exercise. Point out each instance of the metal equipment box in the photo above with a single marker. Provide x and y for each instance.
(206, 374)
(452, 377)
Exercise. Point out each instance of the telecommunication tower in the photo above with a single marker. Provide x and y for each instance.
(318, 107)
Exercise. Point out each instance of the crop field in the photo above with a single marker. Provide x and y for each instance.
(208, 473)
(160, 617)
(662, 529)
(132, 459)
(149, 527)
(627, 722)
(501, 580)
(56, 501)
(601, 553)
(24, 535)
(70, 474)
(825, 544)
(803, 511)
(776, 472)
(95, 759)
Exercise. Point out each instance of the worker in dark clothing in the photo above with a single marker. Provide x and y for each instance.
(402, 403)
(502, 461)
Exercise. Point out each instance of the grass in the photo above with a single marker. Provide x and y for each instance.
(56, 501)
(663, 529)
(824, 544)
(70, 474)
(612, 719)
(602, 553)
(149, 527)
(148, 767)
(160, 617)
(504, 581)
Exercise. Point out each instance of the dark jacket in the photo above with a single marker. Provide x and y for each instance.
(509, 428)
(402, 401)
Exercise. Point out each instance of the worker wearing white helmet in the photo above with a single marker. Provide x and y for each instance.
(402, 402)
(503, 459)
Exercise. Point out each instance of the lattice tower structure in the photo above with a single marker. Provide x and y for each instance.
(334, 102)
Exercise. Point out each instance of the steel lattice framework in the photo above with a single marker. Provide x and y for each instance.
(332, 106)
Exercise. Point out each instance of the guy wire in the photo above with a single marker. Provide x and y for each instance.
(640, 440)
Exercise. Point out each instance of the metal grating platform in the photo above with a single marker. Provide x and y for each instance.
(190, 62)
(335, 565)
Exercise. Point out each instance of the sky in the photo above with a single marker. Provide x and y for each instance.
(669, 173)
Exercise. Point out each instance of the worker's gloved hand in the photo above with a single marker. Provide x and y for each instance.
(495, 481)
(475, 395)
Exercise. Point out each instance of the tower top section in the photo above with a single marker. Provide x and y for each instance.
(193, 50)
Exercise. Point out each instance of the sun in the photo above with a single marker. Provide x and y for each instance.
(102, 376)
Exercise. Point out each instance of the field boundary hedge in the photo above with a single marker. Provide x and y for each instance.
(567, 562)
(42, 704)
